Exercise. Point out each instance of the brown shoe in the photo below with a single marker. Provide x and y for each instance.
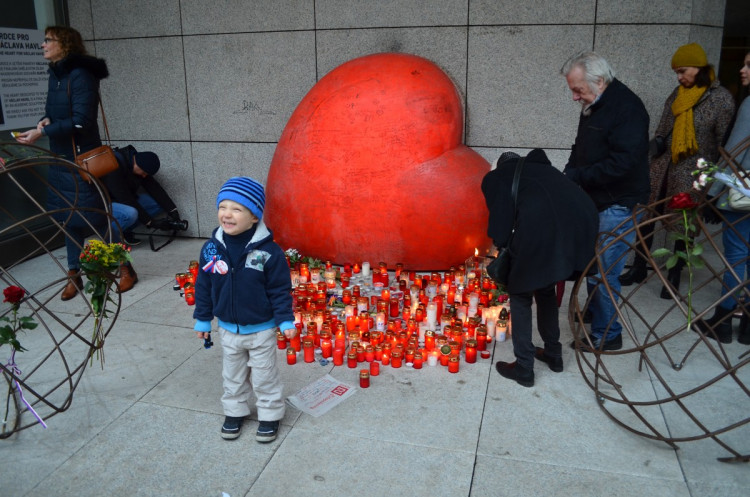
(75, 284)
(128, 278)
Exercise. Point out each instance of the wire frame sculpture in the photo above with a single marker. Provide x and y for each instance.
(39, 382)
(668, 371)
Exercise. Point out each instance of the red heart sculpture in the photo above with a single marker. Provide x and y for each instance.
(370, 167)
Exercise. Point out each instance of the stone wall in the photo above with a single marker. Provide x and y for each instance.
(209, 86)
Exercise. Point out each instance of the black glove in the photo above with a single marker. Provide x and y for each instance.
(710, 214)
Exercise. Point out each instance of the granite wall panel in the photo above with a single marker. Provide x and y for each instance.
(338, 14)
(244, 16)
(144, 96)
(244, 87)
(514, 103)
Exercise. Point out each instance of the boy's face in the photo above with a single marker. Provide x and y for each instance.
(235, 218)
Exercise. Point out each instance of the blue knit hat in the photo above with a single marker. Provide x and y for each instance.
(245, 191)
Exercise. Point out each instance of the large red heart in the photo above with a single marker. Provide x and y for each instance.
(371, 167)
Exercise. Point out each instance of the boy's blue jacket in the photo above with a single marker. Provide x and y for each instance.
(257, 293)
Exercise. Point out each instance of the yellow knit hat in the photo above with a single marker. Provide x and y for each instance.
(691, 55)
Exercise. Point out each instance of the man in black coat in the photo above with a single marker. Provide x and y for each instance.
(136, 195)
(556, 226)
(609, 160)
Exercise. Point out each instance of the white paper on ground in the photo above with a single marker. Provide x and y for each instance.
(321, 396)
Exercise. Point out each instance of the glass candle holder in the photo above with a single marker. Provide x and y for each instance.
(364, 378)
(291, 356)
(453, 364)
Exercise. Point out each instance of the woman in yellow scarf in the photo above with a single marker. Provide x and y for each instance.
(694, 123)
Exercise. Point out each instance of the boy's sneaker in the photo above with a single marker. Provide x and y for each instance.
(231, 428)
(267, 431)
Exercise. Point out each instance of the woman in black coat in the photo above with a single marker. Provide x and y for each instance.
(71, 113)
(556, 228)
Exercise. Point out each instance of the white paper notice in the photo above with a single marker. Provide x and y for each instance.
(319, 397)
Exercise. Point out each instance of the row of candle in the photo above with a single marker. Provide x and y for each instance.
(185, 282)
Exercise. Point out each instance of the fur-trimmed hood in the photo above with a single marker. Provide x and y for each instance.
(97, 67)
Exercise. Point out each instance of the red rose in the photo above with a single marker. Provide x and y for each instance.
(682, 201)
(13, 294)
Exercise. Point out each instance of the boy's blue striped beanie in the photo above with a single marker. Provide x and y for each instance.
(245, 191)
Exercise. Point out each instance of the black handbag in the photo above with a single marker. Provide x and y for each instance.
(499, 268)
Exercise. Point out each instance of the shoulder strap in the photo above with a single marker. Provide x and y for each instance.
(514, 196)
(104, 120)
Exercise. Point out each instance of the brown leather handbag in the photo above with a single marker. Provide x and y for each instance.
(99, 161)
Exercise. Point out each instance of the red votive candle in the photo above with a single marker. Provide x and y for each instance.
(296, 342)
(396, 359)
(374, 368)
(326, 347)
(481, 339)
(280, 340)
(291, 356)
(386, 358)
(453, 365)
(369, 353)
(308, 348)
(418, 360)
(471, 351)
(352, 359)
(364, 378)
(338, 356)
(485, 354)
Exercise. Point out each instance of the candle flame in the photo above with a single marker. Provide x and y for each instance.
(476, 252)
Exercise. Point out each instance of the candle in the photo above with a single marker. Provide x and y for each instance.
(453, 365)
(431, 315)
(326, 347)
(181, 278)
(418, 360)
(396, 359)
(280, 340)
(369, 353)
(365, 269)
(338, 356)
(291, 356)
(482, 339)
(374, 368)
(386, 357)
(409, 355)
(445, 355)
(471, 351)
(193, 268)
(429, 340)
(189, 295)
(352, 359)
(432, 358)
(296, 342)
(309, 351)
(364, 378)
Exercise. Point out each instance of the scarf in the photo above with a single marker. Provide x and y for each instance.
(684, 143)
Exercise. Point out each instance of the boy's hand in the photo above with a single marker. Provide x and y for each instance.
(290, 333)
(202, 335)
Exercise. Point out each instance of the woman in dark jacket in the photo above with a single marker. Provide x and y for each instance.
(556, 227)
(71, 113)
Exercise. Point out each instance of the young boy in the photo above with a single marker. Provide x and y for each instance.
(245, 283)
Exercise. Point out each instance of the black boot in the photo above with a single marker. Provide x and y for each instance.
(636, 273)
(718, 326)
(673, 276)
(744, 334)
